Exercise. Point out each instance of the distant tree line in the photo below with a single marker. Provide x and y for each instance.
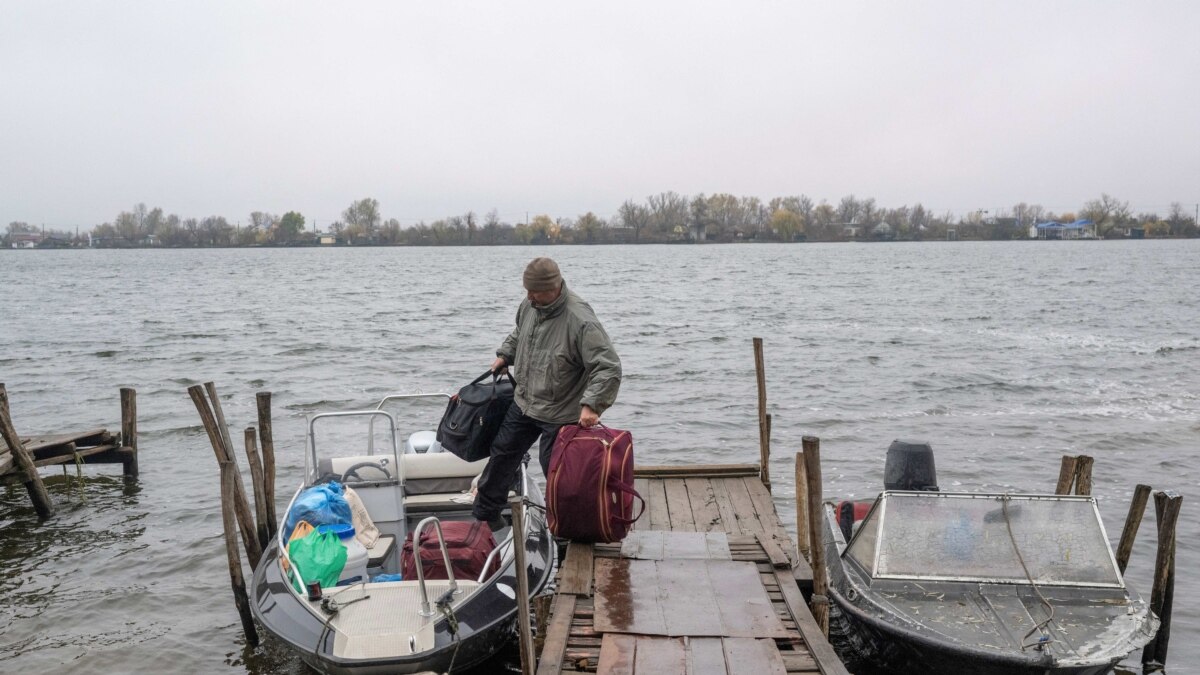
(666, 217)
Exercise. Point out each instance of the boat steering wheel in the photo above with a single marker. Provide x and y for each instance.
(353, 471)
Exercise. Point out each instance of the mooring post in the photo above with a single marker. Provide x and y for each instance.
(528, 658)
(129, 432)
(812, 466)
(225, 455)
(267, 437)
(229, 525)
(803, 545)
(1133, 520)
(24, 461)
(541, 607)
(1066, 475)
(1083, 475)
(256, 478)
(764, 443)
(1166, 508)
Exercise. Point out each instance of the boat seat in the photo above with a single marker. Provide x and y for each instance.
(423, 474)
(382, 549)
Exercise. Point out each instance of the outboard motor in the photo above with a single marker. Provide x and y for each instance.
(910, 467)
(422, 442)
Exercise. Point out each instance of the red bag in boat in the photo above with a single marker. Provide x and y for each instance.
(467, 542)
(589, 492)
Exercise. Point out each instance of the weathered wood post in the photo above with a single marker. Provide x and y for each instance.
(24, 460)
(541, 607)
(1083, 475)
(224, 453)
(803, 543)
(1133, 520)
(528, 658)
(229, 479)
(812, 466)
(256, 478)
(1066, 475)
(1166, 508)
(764, 443)
(266, 435)
(129, 432)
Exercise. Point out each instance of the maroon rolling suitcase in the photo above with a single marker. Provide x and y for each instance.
(589, 492)
(468, 544)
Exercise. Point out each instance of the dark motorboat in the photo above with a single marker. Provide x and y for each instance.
(932, 582)
(412, 625)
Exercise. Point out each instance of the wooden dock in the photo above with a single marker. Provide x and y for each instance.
(707, 582)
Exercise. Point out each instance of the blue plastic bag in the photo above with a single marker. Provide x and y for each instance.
(386, 577)
(323, 504)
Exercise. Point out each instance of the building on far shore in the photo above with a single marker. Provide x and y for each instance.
(1080, 229)
(25, 239)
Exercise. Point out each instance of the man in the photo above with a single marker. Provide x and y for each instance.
(566, 371)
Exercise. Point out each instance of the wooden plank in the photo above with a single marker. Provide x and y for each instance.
(626, 597)
(554, 651)
(746, 656)
(82, 453)
(680, 506)
(706, 656)
(822, 652)
(656, 545)
(659, 656)
(690, 605)
(577, 570)
(775, 553)
(616, 654)
(704, 504)
(729, 519)
(660, 513)
(743, 506)
(88, 437)
(642, 485)
(717, 545)
(746, 610)
(799, 662)
(764, 508)
(644, 545)
(693, 470)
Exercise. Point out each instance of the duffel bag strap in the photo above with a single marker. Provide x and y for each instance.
(628, 490)
(495, 378)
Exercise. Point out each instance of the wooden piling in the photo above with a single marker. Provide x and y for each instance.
(1133, 520)
(256, 480)
(225, 455)
(229, 479)
(764, 447)
(812, 466)
(541, 609)
(24, 460)
(1066, 475)
(1083, 475)
(803, 544)
(267, 438)
(1166, 508)
(129, 432)
(528, 657)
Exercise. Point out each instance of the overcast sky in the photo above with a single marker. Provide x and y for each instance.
(434, 109)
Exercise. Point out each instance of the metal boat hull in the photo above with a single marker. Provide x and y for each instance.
(486, 619)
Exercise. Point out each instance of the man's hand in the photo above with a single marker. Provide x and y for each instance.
(499, 366)
(588, 417)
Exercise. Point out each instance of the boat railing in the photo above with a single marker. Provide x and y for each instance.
(372, 414)
(426, 610)
(290, 567)
(395, 397)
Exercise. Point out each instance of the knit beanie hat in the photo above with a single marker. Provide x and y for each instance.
(542, 274)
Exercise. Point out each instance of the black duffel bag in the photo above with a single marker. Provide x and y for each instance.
(473, 416)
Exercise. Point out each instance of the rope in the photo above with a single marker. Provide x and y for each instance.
(1039, 627)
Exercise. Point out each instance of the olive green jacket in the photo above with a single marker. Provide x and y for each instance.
(562, 360)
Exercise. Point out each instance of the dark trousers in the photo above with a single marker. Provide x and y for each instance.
(517, 433)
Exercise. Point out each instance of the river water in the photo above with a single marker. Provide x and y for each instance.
(1004, 355)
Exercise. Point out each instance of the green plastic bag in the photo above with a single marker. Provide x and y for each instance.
(318, 556)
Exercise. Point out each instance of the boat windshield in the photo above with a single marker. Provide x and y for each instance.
(985, 538)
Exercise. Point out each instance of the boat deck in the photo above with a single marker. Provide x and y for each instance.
(705, 583)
